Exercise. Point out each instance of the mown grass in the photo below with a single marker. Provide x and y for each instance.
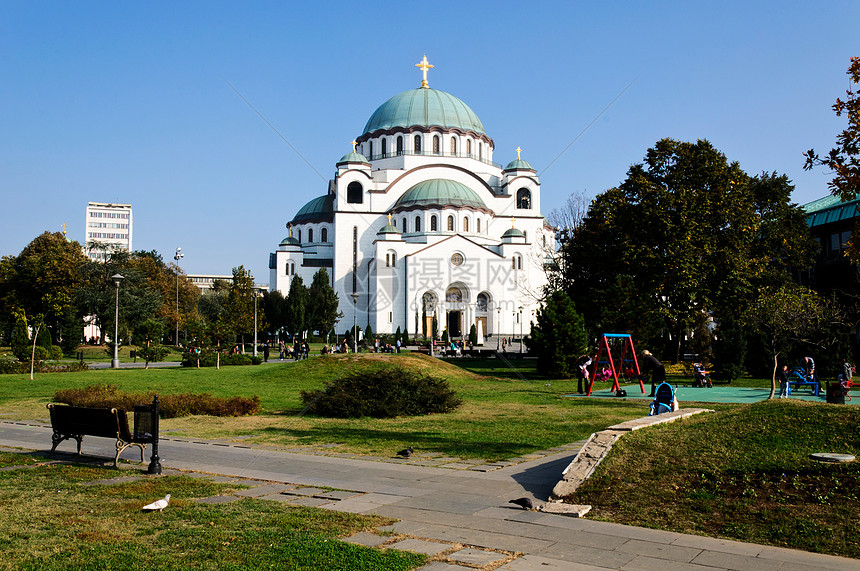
(51, 520)
(500, 418)
(743, 474)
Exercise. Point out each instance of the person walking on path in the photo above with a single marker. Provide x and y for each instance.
(658, 371)
(265, 351)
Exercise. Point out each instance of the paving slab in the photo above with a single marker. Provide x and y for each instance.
(366, 539)
(659, 550)
(644, 563)
(539, 563)
(430, 548)
(479, 557)
(263, 490)
(443, 566)
(307, 501)
(338, 495)
(305, 491)
(277, 498)
(732, 561)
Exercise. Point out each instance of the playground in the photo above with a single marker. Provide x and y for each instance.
(717, 394)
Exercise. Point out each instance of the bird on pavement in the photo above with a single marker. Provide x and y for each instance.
(406, 452)
(157, 505)
(525, 503)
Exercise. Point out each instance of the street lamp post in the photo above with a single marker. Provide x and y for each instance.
(521, 329)
(354, 318)
(498, 328)
(178, 256)
(117, 279)
(255, 292)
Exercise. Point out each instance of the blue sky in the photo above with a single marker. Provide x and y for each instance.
(128, 102)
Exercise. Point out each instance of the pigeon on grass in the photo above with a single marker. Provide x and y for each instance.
(525, 503)
(157, 505)
(406, 452)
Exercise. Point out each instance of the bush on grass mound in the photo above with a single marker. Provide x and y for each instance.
(208, 359)
(172, 406)
(382, 393)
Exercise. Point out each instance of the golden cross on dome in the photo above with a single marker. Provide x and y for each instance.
(64, 228)
(290, 228)
(353, 145)
(519, 150)
(513, 221)
(389, 219)
(424, 65)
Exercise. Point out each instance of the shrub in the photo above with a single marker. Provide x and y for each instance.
(382, 393)
(207, 359)
(23, 367)
(56, 352)
(172, 406)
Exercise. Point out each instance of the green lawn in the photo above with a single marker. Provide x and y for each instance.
(501, 418)
(51, 520)
(743, 474)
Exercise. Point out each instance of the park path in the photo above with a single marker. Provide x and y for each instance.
(440, 508)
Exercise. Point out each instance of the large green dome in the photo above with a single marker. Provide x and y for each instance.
(317, 210)
(424, 107)
(440, 193)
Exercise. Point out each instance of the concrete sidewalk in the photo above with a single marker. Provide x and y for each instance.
(462, 514)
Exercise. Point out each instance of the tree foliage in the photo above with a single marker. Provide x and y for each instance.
(322, 304)
(297, 306)
(687, 234)
(558, 337)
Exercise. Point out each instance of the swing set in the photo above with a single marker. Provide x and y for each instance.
(616, 350)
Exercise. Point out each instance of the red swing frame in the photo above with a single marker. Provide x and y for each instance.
(604, 346)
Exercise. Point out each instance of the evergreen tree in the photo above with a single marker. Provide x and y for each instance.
(558, 338)
(322, 304)
(297, 305)
(473, 335)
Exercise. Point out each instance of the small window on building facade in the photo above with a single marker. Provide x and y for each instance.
(399, 145)
(354, 193)
(478, 222)
(469, 147)
(450, 223)
(299, 237)
(404, 225)
(433, 227)
(480, 151)
(324, 235)
(418, 224)
(417, 144)
(435, 144)
(466, 224)
(453, 145)
(310, 235)
(384, 147)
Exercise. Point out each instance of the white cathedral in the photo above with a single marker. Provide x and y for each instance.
(420, 222)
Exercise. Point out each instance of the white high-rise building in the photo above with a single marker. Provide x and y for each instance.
(108, 228)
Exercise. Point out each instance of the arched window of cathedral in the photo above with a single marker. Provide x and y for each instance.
(288, 268)
(480, 151)
(468, 147)
(517, 262)
(433, 227)
(355, 193)
(524, 199)
(450, 223)
(453, 145)
(393, 259)
(478, 222)
(483, 302)
(384, 148)
(435, 144)
(371, 150)
(299, 237)
(417, 144)
(418, 224)
(404, 224)
(399, 145)
(466, 224)
(310, 235)
(324, 235)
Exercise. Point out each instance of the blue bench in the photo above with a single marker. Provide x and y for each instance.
(796, 383)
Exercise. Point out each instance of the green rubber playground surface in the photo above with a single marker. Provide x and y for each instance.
(716, 394)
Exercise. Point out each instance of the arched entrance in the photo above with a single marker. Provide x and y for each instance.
(454, 311)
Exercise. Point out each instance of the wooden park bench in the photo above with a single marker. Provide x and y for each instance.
(76, 422)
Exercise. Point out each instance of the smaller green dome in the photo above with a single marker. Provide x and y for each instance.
(389, 229)
(513, 233)
(289, 241)
(353, 158)
(319, 209)
(519, 165)
(439, 193)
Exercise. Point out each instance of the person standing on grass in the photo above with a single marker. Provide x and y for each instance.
(265, 351)
(847, 371)
(658, 371)
(782, 377)
(582, 365)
